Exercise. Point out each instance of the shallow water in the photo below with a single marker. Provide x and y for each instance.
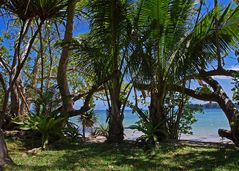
(205, 129)
(207, 125)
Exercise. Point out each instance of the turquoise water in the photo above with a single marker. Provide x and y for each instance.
(205, 129)
(210, 122)
(210, 119)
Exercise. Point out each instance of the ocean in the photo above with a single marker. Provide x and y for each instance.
(205, 129)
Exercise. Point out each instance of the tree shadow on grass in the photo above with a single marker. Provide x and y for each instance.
(222, 158)
(26, 168)
(129, 157)
(137, 159)
(104, 157)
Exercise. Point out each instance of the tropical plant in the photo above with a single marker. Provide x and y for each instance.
(106, 53)
(47, 126)
(188, 119)
(169, 48)
(88, 120)
(101, 130)
(41, 120)
(180, 116)
(149, 131)
(235, 89)
(71, 130)
(161, 29)
(31, 16)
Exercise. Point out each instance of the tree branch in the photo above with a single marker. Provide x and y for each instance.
(193, 93)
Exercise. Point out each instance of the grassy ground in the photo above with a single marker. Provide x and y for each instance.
(123, 157)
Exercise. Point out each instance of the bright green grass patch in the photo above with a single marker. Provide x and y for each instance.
(123, 157)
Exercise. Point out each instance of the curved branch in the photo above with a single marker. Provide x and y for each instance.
(218, 72)
(193, 93)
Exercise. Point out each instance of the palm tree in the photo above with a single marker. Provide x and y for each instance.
(162, 27)
(109, 31)
(88, 120)
(212, 40)
(173, 44)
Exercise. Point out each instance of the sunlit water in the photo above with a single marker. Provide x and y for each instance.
(205, 129)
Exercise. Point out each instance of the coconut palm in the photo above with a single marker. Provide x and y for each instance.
(109, 31)
(173, 41)
(161, 27)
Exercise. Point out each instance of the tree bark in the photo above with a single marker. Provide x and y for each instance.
(157, 115)
(62, 68)
(218, 95)
(229, 109)
(116, 130)
(14, 75)
(15, 102)
(4, 157)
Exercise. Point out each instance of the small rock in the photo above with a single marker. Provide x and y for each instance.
(110, 166)
(24, 155)
(34, 151)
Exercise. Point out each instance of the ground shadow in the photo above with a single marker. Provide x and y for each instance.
(131, 157)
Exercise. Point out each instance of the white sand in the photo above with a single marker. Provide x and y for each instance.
(130, 134)
(134, 134)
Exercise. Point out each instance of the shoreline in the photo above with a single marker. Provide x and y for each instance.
(132, 135)
(204, 130)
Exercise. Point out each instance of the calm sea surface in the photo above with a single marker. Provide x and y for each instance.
(205, 129)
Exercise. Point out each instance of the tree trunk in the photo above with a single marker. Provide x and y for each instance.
(157, 116)
(62, 68)
(25, 103)
(175, 124)
(116, 130)
(4, 157)
(229, 109)
(83, 129)
(233, 118)
(15, 102)
(14, 109)
(13, 78)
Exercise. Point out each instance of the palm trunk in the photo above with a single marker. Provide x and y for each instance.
(218, 95)
(174, 129)
(233, 118)
(157, 116)
(116, 130)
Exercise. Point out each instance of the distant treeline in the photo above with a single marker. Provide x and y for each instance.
(208, 106)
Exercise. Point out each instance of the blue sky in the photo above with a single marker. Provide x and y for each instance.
(231, 61)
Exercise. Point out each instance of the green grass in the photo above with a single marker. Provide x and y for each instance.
(123, 157)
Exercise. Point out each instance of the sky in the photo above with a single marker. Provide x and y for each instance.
(231, 61)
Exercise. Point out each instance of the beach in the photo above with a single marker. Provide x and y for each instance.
(204, 130)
